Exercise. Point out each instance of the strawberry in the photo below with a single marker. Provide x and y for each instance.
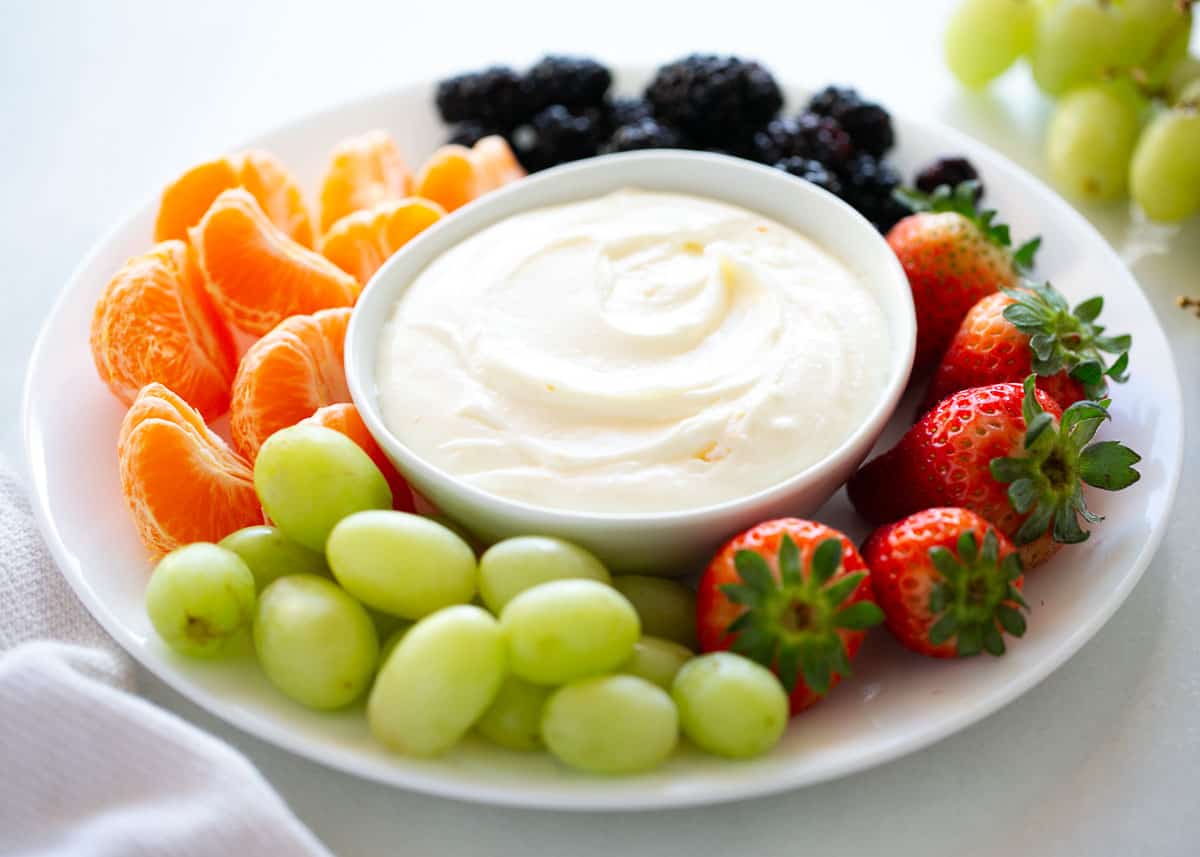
(953, 255)
(944, 594)
(1011, 333)
(973, 443)
(793, 595)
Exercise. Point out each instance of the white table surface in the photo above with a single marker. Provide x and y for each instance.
(100, 103)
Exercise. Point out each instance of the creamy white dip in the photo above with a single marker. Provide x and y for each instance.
(635, 352)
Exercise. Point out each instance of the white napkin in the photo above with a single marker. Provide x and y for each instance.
(85, 766)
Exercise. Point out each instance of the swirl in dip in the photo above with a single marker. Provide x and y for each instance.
(634, 352)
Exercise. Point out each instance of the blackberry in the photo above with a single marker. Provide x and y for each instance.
(646, 133)
(470, 132)
(867, 123)
(948, 171)
(832, 100)
(711, 97)
(818, 138)
(628, 111)
(739, 144)
(870, 127)
(556, 136)
(887, 213)
(811, 171)
(494, 96)
(573, 82)
(868, 184)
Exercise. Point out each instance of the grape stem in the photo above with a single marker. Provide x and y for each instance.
(1186, 302)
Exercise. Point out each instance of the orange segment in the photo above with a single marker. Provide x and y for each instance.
(155, 322)
(454, 175)
(182, 482)
(344, 417)
(278, 194)
(363, 171)
(496, 162)
(361, 242)
(448, 177)
(257, 275)
(185, 200)
(287, 375)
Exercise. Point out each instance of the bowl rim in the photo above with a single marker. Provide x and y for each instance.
(361, 378)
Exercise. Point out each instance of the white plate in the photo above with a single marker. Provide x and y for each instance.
(894, 704)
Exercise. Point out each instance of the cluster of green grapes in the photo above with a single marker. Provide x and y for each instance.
(1128, 116)
(534, 644)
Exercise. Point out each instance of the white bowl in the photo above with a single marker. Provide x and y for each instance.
(666, 542)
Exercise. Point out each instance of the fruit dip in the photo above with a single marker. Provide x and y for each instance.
(635, 352)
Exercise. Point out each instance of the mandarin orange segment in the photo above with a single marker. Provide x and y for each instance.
(344, 417)
(454, 175)
(496, 162)
(182, 482)
(363, 171)
(287, 375)
(256, 274)
(448, 177)
(154, 321)
(186, 199)
(361, 242)
(278, 194)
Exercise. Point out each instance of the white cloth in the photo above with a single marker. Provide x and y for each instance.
(88, 768)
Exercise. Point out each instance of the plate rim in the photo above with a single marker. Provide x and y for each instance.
(261, 727)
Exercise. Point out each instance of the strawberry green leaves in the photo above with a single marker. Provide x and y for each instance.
(1046, 480)
(977, 596)
(1062, 339)
(794, 623)
(961, 199)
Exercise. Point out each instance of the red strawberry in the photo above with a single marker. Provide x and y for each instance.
(1009, 334)
(973, 443)
(793, 595)
(953, 255)
(944, 595)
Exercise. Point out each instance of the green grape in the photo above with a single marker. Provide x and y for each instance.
(1155, 35)
(657, 660)
(985, 37)
(1091, 139)
(393, 639)
(617, 724)
(508, 568)
(1187, 71)
(568, 629)
(514, 719)
(271, 555)
(199, 597)
(1165, 174)
(729, 705)
(1074, 41)
(666, 608)
(314, 642)
(310, 477)
(437, 681)
(401, 564)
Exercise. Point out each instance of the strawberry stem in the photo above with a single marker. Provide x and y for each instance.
(791, 624)
(977, 597)
(1045, 481)
(1062, 339)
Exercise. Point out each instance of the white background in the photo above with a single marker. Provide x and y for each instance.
(101, 103)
